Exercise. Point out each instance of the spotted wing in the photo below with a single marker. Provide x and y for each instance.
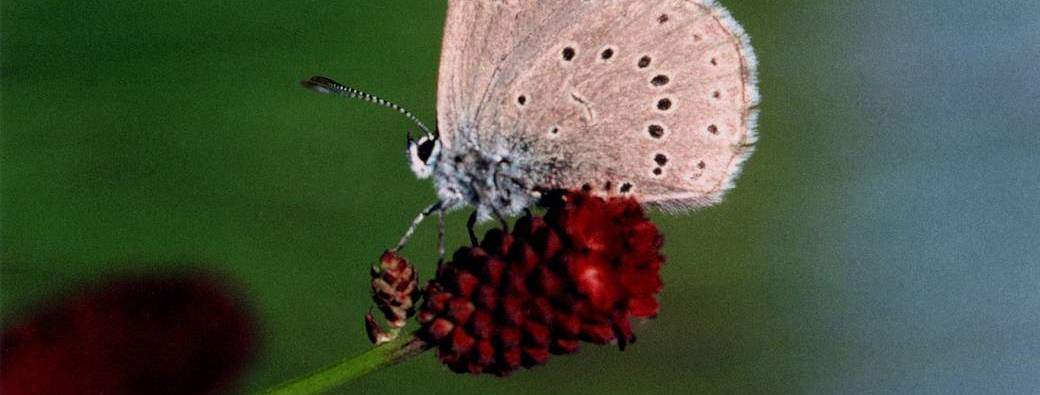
(481, 38)
(650, 98)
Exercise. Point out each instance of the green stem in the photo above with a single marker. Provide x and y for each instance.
(352, 368)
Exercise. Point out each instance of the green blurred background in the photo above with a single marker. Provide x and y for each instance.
(885, 237)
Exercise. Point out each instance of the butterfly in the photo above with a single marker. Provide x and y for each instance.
(650, 99)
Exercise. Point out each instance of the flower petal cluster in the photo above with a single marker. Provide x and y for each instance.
(580, 273)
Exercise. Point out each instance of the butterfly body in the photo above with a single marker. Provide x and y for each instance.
(495, 178)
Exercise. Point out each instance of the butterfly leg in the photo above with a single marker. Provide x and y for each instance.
(470, 224)
(501, 219)
(415, 224)
(494, 179)
(440, 238)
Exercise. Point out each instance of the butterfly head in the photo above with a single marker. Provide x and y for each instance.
(423, 154)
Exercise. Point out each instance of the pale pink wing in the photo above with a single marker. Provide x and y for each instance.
(650, 98)
(479, 45)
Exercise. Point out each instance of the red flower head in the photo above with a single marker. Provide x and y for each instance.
(579, 273)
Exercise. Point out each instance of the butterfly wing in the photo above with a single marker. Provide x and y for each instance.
(481, 38)
(650, 98)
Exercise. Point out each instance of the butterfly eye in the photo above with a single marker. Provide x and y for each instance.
(423, 154)
(426, 149)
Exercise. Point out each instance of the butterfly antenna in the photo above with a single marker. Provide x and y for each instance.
(328, 86)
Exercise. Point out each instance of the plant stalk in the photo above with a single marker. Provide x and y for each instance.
(352, 368)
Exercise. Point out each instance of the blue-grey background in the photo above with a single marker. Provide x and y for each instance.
(884, 238)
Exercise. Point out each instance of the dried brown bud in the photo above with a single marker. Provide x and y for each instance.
(395, 290)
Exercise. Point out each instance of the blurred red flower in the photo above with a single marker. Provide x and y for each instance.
(147, 334)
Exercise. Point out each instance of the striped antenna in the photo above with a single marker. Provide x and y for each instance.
(328, 86)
